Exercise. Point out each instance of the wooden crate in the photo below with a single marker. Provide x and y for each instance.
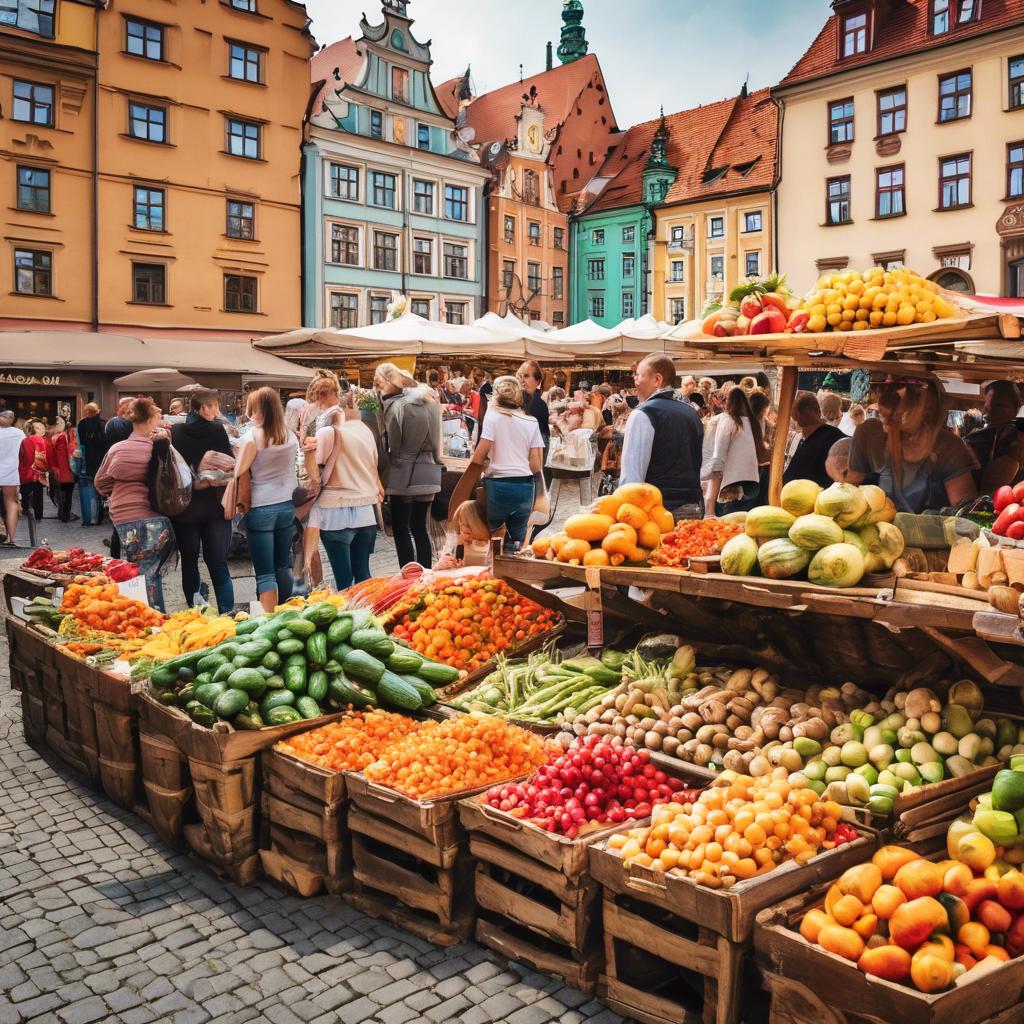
(166, 784)
(811, 986)
(676, 951)
(304, 836)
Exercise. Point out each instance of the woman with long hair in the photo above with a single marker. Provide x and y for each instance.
(269, 454)
(412, 447)
(60, 446)
(33, 467)
(512, 449)
(344, 515)
(733, 485)
(924, 464)
(322, 403)
(127, 476)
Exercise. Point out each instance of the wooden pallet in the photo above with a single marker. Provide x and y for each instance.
(676, 951)
(811, 986)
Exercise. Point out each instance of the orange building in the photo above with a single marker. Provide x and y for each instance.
(542, 139)
(167, 199)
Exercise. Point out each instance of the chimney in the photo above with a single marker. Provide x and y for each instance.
(549, 63)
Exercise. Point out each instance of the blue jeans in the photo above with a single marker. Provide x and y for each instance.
(269, 530)
(214, 538)
(349, 554)
(509, 504)
(92, 510)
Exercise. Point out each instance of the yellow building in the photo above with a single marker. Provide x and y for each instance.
(47, 89)
(714, 227)
(903, 143)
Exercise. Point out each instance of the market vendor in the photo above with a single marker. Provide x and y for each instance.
(923, 465)
(999, 445)
(663, 439)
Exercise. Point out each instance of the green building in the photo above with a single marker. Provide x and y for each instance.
(611, 225)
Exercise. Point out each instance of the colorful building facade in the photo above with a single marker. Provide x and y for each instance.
(903, 143)
(393, 194)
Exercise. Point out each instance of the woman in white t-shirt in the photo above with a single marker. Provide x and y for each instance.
(512, 439)
(10, 448)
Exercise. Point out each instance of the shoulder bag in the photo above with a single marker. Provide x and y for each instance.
(237, 499)
(303, 510)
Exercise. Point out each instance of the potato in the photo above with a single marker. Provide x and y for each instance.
(692, 720)
(670, 745)
(713, 711)
(703, 754)
(652, 741)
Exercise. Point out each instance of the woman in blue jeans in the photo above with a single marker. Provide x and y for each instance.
(511, 439)
(269, 454)
(343, 456)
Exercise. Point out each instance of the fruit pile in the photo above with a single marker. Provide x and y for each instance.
(999, 815)
(77, 560)
(622, 527)
(592, 782)
(836, 535)
(1008, 503)
(761, 306)
(465, 623)
(694, 538)
(738, 828)
(903, 918)
(189, 630)
(457, 755)
(351, 743)
(96, 606)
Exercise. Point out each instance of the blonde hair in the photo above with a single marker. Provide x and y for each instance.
(391, 375)
(470, 515)
(831, 407)
(508, 392)
(323, 384)
(748, 384)
(91, 409)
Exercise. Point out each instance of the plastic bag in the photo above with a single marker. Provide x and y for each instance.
(173, 483)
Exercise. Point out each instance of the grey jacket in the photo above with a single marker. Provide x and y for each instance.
(412, 434)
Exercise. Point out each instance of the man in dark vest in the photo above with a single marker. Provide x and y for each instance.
(663, 439)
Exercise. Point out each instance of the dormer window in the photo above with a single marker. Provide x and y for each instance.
(855, 33)
(940, 17)
(969, 11)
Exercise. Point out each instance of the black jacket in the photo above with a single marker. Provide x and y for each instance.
(192, 440)
(676, 454)
(92, 443)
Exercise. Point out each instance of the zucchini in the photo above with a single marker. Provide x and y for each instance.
(255, 649)
(317, 686)
(200, 713)
(211, 662)
(320, 614)
(308, 708)
(203, 677)
(363, 667)
(230, 702)
(282, 716)
(437, 674)
(246, 679)
(338, 651)
(400, 660)
(421, 686)
(373, 641)
(396, 693)
(223, 672)
(340, 629)
(346, 692)
(302, 629)
(247, 626)
(295, 674)
(276, 699)
(316, 650)
(292, 645)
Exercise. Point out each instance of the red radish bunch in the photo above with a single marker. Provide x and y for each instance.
(1009, 505)
(595, 780)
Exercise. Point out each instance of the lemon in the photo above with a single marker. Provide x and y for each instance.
(906, 315)
(889, 319)
(835, 319)
(816, 323)
(875, 317)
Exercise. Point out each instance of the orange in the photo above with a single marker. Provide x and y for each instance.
(844, 942)
(846, 910)
(931, 973)
(975, 937)
(919, 878)
(886, 899)
(889, 962)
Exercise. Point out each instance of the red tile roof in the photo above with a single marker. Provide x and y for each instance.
(493, 114)
(343, 55)
(448, 96)
(904, 31)
(736, 137)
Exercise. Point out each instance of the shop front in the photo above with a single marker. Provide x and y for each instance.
(39, 394)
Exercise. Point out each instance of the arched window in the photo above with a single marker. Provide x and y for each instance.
(953, 279)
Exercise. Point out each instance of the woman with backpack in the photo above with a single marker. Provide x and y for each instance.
(202, 526)
(127, 476)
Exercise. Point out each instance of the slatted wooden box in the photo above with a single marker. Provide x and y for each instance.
(676, 952)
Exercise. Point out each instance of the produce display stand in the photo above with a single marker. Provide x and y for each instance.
(675, 951)
(411, 861)
(537, 900)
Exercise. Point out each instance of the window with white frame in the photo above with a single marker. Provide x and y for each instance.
(597, 236)
(423, 256)
(628, 264)
(676, 272)
(628, 233)
(344, 182)
(752, 264)
(421, 307)
(455, 312)
(677, 311)
(344, 309)
(382, 189)
(627, 304)
(716, 227)
(752, 220)
(385, 251)
(345, 244)
(456, 261)
(595, 305)
(423, 197)
(379, 308)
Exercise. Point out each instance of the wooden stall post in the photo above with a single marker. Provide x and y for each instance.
(787, 390)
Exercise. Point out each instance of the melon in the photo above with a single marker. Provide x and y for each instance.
(813, 532)
(780, 558)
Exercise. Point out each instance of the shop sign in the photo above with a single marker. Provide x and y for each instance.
(28, 380)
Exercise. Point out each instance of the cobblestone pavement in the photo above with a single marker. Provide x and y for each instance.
(101, 921)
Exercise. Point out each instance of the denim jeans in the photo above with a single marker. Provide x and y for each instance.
(349, 554)
(269, 530)
(509, 504)
(147, 543)
(214, 537)
(90, 501)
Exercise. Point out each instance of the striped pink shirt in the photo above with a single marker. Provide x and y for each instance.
(122, 477)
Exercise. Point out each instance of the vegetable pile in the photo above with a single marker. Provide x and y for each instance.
(77, 560)
(293, 665)
(622, 527)
(999, 815)
(593, 782)
(465, 623)
(543, 686)
(458, 754)
(97, 606)
(352, 742)
(738, 828)
(924, 922)
(694, 538)
(836, 535)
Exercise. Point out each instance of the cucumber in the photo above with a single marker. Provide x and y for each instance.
(282, 716)
(374, 641)
(421, 686)
(400, 661)
(345, 692)
(223, 672)
(208, 694)
(162, 677)
(340, 629)
(308, 708)
(436, 673)
(396, 693)
(275, 682)
(276, 699)
(295, 673)
(317, 686)
(320, 614)
(302, 629)
(228, 650)
(316, 650)
(246, 679)
(272, 660)
(187, 693)
(363, 667)
(200, 713)
(247, 720)
(247, 626)
(230, 702)
(338, 651)
(241, 661)
(212, 662)
(286, 648)
(256, 649)
(203, 677)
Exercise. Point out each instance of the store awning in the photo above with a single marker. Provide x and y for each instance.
(123, 354)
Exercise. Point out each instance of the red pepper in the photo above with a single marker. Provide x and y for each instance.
(1003, 497)
(1015, 531)
(1003, 520)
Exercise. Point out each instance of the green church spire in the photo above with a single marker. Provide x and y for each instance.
(574, 38)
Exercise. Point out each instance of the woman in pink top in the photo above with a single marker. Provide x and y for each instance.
(126, 477)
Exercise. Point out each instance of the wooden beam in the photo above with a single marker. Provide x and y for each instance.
(787, 390)
(465, 488)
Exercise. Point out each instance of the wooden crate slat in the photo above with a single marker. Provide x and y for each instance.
(424, 926)
(324, 826)
(581, 974)
(441, 854)
(321, 784)
(621, 924)
(647, 1007)
(486, 849)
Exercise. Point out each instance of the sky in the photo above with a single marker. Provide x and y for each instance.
(679, 53)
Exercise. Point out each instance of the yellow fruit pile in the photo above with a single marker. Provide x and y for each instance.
(851, 301)
(738, 828)
(622, 527)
